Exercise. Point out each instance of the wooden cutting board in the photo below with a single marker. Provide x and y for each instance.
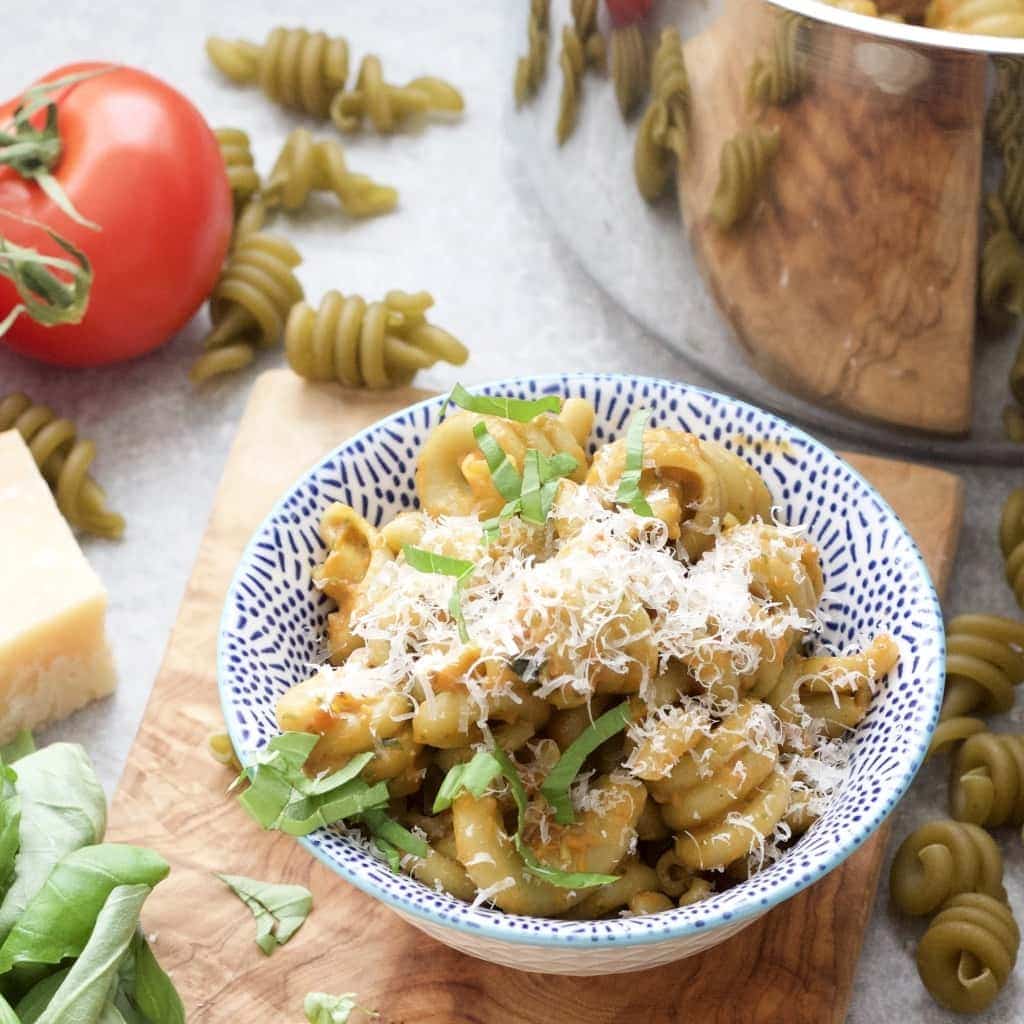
(796, 964)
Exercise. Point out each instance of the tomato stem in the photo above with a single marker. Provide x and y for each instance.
(44, 296)
(34, 152)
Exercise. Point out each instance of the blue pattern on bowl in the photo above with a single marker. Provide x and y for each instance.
(274, 622)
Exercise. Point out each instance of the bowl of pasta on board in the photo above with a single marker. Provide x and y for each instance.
(580, 674)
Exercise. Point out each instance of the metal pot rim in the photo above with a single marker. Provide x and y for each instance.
(896, 32)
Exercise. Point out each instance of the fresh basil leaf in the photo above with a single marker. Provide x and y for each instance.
(86, 988)
(504, 474)
(280, 910)
(629, 492)
(348, 801)
(10, 820)
(530, 500)
(397, 835)
(59, 919)
(111, 1012)
(450, 788)
(7, 1014)
(321, 1008)
(555, 788)
(149, 988)
(63, 808)
(31, 1006)
(521, 410)
(21, 746)
(429, 562)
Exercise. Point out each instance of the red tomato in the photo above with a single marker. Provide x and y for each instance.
(137, 159)
(625, 12)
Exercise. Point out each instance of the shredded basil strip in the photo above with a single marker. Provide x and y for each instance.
(282, 797)
(506, 477)
(629, 492)
(540, 483)
(492, 526)
(555, 788)
(390, 831)
(427, 561)
(522, 410)
(475, 776)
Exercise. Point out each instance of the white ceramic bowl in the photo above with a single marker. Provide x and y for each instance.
(274, 622)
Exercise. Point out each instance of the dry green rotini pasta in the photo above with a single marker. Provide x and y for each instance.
(530, 69)
(374, 345)
(781, 75)
(1013, 417)
(986, 785)
(243, 178)
(64, 460)
(662, 137)
(1011, 189)
(1004, 123)
(968, 952)
(942, 859)
(1001, 284)
(296, 68)
(629, 66)
(307, 164)
(249, 304)
(743, 165)
(391, 107)
(1011, 542)
(582, 46)
(984, 662)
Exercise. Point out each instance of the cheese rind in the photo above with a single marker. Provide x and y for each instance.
(54, 656)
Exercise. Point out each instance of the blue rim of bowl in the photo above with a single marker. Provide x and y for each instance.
(554, 383)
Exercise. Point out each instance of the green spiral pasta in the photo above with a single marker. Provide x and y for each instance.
(1011, 542)
(530, 69)
(782, 75)
(64, 460)
(629, 66)
(987, 782)
(942, 859)
(582, 46)
(391, 107)
(373, 345)
(744, 163)
(984, 662)
(1001, 285)
(243, 178)
(1004, 123)
(662, 136)
(306, 164)
(249, 304)
(1013, 416)
(968, 952)
(299, 69)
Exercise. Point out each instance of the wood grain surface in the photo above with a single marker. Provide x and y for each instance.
(796, 964)
(853, 279)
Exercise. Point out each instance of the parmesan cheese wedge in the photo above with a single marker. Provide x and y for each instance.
(54, 656)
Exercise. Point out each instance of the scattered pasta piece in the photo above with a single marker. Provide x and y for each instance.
(243, 178)
(629, 67)
(64, 459)
(359, 344)
(249, 304)
(943, 859)
(968, 952)
(782, 75)
(1011, 542)
(745, 161)
(987, 782)
(582, 47)
(299, 69)
(661, 139)
(1001, 285)
(390, 108)
(530, 70)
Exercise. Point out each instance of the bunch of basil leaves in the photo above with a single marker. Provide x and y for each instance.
(71, 951)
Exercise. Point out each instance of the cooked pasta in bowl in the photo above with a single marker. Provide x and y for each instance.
(580, 674)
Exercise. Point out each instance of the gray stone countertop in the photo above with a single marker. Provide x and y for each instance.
(470, 231)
